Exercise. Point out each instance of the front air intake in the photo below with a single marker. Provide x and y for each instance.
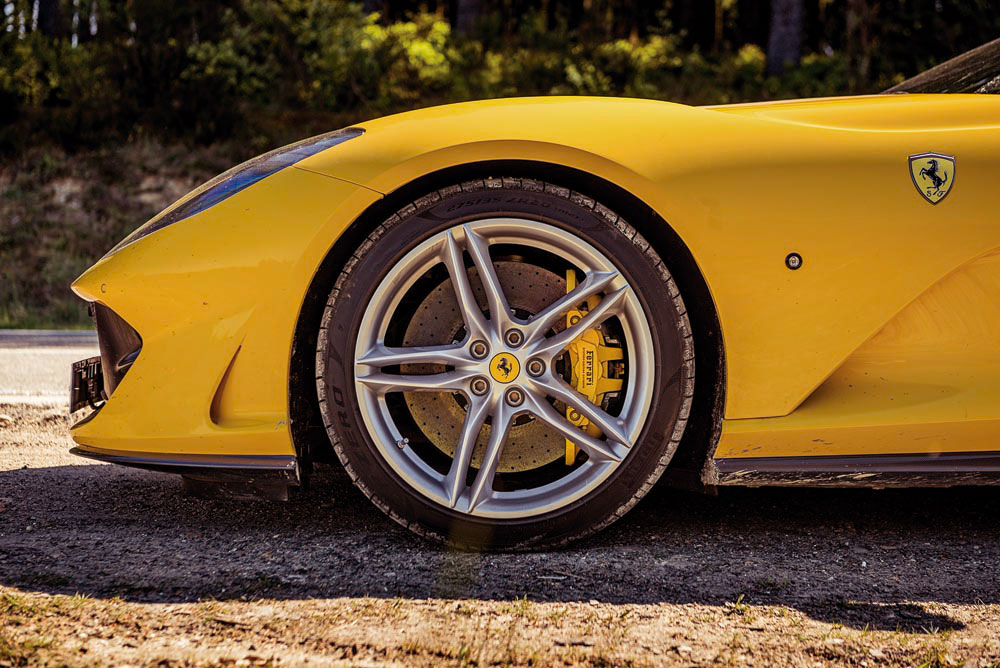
(119, 343)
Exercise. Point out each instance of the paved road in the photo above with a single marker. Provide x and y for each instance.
(47, 338)
(34, 364)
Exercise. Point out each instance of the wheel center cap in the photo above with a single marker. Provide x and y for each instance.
(504, 367)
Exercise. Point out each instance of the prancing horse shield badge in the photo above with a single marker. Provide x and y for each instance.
(933, 174)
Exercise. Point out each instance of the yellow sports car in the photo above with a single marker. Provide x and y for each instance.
(508, 319)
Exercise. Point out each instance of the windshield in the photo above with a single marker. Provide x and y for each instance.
(975, 71)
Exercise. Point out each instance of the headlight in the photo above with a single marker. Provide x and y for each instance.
(238, 178)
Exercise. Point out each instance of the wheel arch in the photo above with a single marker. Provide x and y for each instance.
(692, 463)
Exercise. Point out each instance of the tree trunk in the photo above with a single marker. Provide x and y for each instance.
(784, 45)
(859, 24)
(468, 14)
(51, 22)
(719, 24)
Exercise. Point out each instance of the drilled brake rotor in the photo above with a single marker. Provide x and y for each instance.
(440, 415)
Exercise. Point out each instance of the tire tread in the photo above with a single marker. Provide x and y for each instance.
(581, 200)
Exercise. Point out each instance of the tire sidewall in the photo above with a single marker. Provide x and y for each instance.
(386, 247)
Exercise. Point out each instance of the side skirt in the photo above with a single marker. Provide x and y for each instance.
(947, 469)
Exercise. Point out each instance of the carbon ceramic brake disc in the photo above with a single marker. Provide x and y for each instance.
(440, 415)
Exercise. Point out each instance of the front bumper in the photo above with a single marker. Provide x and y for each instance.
(213, 302)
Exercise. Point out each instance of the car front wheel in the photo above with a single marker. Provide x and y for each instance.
(505, 364)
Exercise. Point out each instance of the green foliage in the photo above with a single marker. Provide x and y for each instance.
(84, 119)
(187, 70)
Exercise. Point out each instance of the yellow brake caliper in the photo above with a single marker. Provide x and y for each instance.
(590, 360)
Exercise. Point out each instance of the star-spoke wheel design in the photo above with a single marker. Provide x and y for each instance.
(504, 367)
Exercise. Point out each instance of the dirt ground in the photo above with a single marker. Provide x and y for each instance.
(104, 565)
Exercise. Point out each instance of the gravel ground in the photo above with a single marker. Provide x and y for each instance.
(107, 565)
(102, 564)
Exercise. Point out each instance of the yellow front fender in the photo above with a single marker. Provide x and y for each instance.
(216, 299)
(743, 187)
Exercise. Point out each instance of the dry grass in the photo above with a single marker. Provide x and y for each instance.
(60, 212)
(56, 630)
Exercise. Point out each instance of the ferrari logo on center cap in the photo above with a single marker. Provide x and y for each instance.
(933, 174)
(504, 367)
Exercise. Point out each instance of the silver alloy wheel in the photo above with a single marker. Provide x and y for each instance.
(600, 278)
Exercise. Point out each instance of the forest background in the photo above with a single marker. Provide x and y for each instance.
(111, 109)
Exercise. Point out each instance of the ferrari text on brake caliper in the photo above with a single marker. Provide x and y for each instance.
(595, 367)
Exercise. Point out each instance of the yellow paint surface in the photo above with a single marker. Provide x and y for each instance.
(929, 381)
(230, 279)
(742, 186)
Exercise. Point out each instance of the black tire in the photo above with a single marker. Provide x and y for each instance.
(673, 387)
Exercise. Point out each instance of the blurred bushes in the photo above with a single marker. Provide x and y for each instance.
(105, 123)
(271, 70)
